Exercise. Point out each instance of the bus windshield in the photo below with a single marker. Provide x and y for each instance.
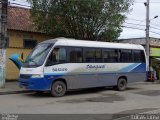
(38, 55)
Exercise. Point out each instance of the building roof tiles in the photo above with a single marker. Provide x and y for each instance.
(20, 19)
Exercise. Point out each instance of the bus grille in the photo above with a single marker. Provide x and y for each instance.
(25, 76)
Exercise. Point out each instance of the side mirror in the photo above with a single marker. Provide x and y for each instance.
(15, 59)
(22, 55)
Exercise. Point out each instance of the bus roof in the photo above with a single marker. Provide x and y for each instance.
(87, 43)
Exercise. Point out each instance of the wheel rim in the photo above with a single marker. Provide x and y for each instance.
(122, 84)
(59, 89)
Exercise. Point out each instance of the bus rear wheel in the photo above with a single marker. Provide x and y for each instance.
(121, 84)
(58, 89)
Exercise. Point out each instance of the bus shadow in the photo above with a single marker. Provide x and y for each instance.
(79, 92)
(71, 92)
(132, 88)
(88, 91)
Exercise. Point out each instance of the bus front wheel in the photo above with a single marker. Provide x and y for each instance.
(58, 89)
(121, 84)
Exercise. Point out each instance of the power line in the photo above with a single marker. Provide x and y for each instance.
(142, 25)
(156, 22)
(142, 20)
(144, 2)
(140, 29)
(154, 28)
(134, 24)
(155, 32)
(133, 27)
(135, 19)
(157, 25)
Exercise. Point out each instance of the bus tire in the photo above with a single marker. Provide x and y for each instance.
(58, 89)
(121, 84)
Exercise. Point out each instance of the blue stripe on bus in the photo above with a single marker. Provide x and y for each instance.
(133, 68)
(59, 75)
(129, 68)
(140, 68)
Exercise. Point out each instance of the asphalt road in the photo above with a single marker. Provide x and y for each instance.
(92, 104)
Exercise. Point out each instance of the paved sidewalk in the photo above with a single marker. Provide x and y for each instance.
(12, 87)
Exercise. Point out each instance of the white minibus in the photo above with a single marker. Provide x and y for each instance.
(62, 64)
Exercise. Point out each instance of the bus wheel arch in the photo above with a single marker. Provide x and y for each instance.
(121, 83)
(58, 87)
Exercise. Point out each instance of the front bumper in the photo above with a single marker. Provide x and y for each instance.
(35, 84)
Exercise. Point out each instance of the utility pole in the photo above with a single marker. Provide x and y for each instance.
(3, 38)
(147, 35)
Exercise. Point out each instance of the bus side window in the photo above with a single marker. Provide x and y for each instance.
(143, 57)
(75, 55)
(62, 55)
(110, 56)
(89, 55)
(138, 56)
(58, 55)
(51, 59)
(98, 55)
(126, 56)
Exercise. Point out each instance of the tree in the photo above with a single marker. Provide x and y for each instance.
(81, 19)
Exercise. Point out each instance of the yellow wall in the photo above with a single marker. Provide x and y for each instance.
(12, 71)
(16, 38)
(16, 47)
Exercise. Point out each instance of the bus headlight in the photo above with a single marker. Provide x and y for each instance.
(36, 76)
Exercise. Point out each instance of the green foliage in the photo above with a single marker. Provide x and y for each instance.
(81, 19)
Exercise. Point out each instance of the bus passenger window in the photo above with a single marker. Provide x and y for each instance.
(110, 56)
(138, 56)
(62, 55)
(75, 55)
(98, 56)
(90, 55)
(126, 56)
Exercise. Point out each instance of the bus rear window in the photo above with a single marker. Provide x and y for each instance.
(138, 56)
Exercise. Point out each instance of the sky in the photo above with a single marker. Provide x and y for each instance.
(134, 26)
(138, 17)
